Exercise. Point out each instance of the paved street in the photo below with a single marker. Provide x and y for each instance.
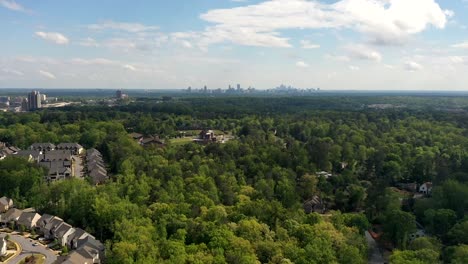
(29, 249)
(375, 256)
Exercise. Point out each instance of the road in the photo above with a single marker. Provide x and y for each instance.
(375, 256)
(29, 249)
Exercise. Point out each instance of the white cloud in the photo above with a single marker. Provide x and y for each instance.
(12, 5)
(354, 68)
(380, 21)
(339, 58)
(129, 67)
(12, 72)
(47, 75)
(413, 66)
(457, 59)
(120, 43)
(122, 26)
(302, 64)
(463, 45)
(96, 61)
(54, 37)
(89, 42)
(308, 45)
(363, 53)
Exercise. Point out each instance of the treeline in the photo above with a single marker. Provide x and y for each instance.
(242, 202)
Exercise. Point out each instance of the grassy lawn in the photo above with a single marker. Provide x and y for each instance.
(181, 141)
(2, 259)
(401, 193)
(35, 258)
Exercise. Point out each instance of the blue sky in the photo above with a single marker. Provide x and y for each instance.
(345, 44)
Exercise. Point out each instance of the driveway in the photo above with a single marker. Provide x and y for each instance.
(29, 249)
(375, 256)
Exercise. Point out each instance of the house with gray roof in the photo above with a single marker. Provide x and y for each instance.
(43, 221)
(93, 153)
(57, 155)
(91, 242)
(30, 155)
(72, 241)
(49, 229)
(74, 148)
(11, 215)
(98, 176)
(42, 146)
(62, 233)
(5, 204)
(28, 220)
(76, 257)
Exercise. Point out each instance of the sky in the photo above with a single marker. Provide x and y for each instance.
(156, 44)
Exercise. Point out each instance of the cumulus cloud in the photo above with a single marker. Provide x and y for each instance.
(47, 75)
(413, 66)
(380, 21)
(54, 37)
(302, 64)
(363, 53)
(463, 45)
(12, 5)
(308, 45)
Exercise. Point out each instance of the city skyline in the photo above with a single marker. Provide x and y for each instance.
(334, 45)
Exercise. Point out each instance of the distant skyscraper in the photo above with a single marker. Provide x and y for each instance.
(34, 101)
(118, 94)
(238, 87)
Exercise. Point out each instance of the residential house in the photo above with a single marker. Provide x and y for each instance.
(5, 204)
(73, 239)
(98, 176)
(426, 188)
(3, 246)
(28, 220)
(42, 146)
(136, 136)
(77, 258)
(93, 153)
(43, 221)
(85, 255)
(93, 243)
(74, 148)
(30, 155)
(49, 229)
(151, 141)
(63, 232)
(11, 215)
(206, 136)
(57, 155)
(95, 167)
(314, 205)
(6, 151)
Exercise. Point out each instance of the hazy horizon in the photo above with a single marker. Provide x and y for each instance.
(335, 45)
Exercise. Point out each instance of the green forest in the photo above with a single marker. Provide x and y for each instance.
(244, 201)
